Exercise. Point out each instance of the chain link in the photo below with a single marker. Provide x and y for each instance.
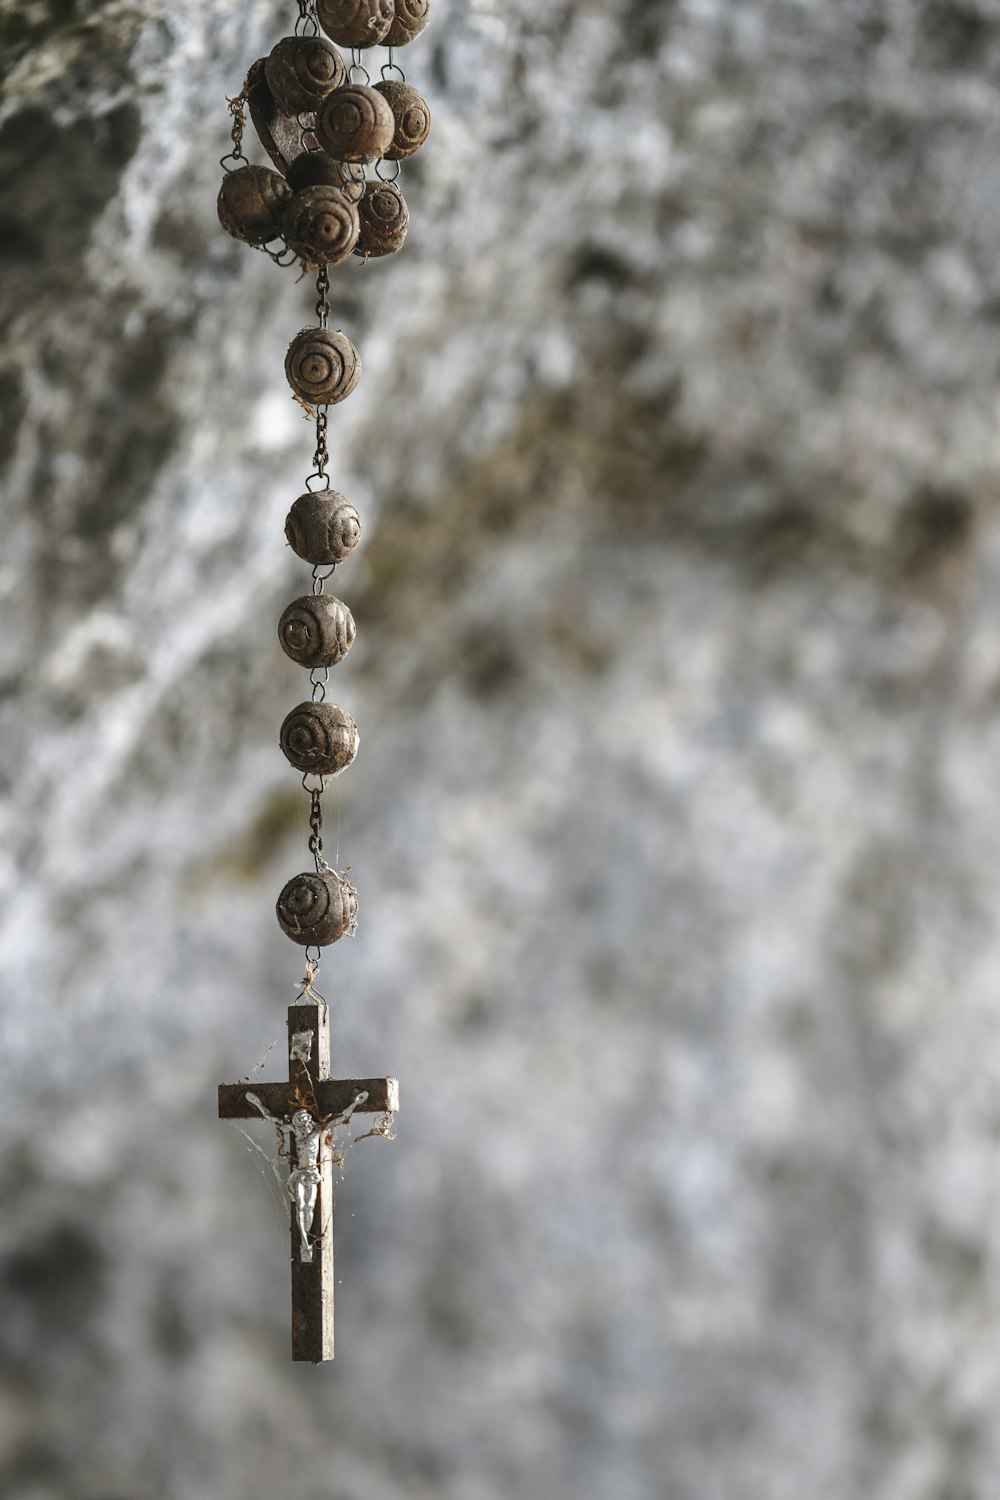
(323, 296)
(306, 24)
(237, 108)
(321, 457)
(306, 121)
(316, 825)
(392, 67)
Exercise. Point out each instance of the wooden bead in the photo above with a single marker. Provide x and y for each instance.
(316, 630)
(322, 365)
(251, 203)
(319, 737)
(301, 71)
(355, 124)
(314, 169)
(316, 908)
(383, 217)
(323, 528)
(355, 23)
(317, 168)
(409, 21)
(321, 225)
(411, 114)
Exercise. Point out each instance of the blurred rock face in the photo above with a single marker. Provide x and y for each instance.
(676, 820)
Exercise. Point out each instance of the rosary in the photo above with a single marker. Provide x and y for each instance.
(323, 124)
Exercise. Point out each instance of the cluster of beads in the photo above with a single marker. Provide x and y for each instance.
(322, 129)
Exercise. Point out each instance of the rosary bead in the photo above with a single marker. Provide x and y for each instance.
(384, 219)
(251, 202)
(321, 225)
(323, 528)
(316, 630)
(355, 124)
(411, 114)
(319, 737)
(409, 21)
(355, 23)
(322, 366)
(314, 169)
(301, 71)
(316, 908)
(318, 169)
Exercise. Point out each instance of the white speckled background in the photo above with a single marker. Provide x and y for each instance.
(676, 821)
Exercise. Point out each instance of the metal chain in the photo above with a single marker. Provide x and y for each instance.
(323, 296)
(391, 67)
(237, 108)
(316, 825)
(306, 24)
(321, 456)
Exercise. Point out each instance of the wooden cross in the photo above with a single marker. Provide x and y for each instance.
(310, 1087)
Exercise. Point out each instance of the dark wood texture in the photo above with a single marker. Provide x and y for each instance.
(411, 16)
(412, 115)
(384, 219)
(323, 528)
(355, 124)
(310, 1087)
(319, 737)
(316, 908)
(277, 130)
(315, 169)
(251, 203)
(321, 225)
(331, 1097)
(322, 365)
(355, 23)
(301, 71)
(316, 630)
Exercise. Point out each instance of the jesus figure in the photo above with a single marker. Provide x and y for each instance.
(304, 1179)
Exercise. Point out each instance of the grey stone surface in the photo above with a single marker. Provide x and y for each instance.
(676, 821)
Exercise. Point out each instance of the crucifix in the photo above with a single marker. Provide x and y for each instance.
(306, 1108)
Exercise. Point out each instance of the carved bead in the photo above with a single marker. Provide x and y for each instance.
(355, 124)
(355, 23)
(316, 630)
(319, 737)
(384, 219)
(409, 21)
(322, 365)
(251, 202)
(321, 225)
(411, 114)
(301, 71)
(314, 169)
(323, 528)
(318, 168)
(316, 908)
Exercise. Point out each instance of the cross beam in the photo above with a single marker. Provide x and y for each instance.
(311, 1088)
